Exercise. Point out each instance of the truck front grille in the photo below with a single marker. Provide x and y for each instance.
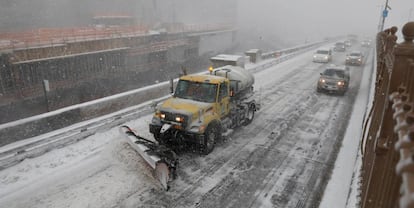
(170, 117)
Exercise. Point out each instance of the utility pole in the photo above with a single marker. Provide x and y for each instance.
(384, 14)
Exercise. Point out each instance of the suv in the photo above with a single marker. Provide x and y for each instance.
(322, 55)
(339, 46)
(354, 58)
(334, 79)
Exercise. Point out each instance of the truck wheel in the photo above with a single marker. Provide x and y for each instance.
(210, 137)
(249, 115)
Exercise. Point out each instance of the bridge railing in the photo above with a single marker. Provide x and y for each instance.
(388, 146)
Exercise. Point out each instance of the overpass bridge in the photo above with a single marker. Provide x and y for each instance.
(49, 68)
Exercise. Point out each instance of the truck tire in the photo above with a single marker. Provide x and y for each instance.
(210, 137)
(250, 115)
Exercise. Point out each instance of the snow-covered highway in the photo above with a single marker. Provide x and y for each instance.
(283, 159)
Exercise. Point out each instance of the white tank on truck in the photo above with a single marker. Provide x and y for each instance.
(241, 80)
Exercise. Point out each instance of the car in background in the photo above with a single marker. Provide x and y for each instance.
(354, 58)
(366, 43)
(322, 55)
(334, 79)
(348, 43)
(339, 46)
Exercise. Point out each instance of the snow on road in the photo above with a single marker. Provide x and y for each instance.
(282, 159)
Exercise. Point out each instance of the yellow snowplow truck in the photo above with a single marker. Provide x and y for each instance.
(204, 108)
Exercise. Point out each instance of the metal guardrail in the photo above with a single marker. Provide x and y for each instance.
(280, 56)
(388, 159)
(278, 53)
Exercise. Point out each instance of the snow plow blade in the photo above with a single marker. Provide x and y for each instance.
(161, 159)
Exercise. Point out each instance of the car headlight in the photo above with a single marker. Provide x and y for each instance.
(314, 56)
(322, 80)
(326, 57)
(359, 59)
(347, 58)
(340, 83)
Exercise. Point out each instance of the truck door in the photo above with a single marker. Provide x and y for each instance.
(224, 99)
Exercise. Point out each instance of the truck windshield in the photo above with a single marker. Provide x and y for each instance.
(199, 91)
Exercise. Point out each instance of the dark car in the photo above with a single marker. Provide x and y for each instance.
(354, 58)
(340, 46)
(334, 79)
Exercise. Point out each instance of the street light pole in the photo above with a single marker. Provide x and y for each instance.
(384, 14)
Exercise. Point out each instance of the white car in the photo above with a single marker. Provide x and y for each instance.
(322, 55)
(366, 43)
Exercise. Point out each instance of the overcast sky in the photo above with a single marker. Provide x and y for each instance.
(302, 20)
(289, 21)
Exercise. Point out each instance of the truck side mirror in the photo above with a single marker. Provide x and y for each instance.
(153, 105)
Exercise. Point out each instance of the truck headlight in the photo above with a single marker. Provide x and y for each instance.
(160, 115)
(179, 119)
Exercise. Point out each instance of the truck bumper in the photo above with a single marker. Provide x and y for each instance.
(177, 136)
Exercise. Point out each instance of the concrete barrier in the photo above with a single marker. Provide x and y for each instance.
(41, 124)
